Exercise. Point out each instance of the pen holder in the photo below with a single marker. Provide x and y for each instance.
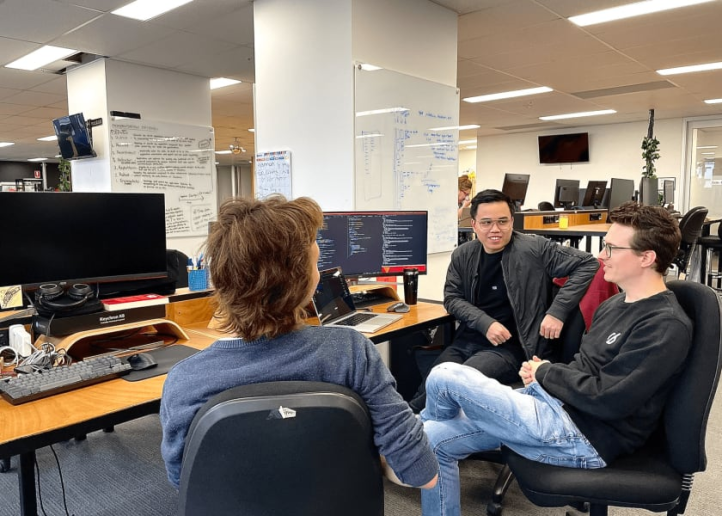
(198, 279)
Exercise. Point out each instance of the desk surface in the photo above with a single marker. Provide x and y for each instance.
(578, 230)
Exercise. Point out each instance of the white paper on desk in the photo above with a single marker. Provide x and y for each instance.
(11, 297)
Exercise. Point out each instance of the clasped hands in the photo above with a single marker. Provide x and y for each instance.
(528, 369)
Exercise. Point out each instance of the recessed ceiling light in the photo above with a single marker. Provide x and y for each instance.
(631, 10)
(452, 127)
(370, 68)
(47, 138)
(41, 57)
(690, 69)
(223, 152)
(146, 9)
(382, 111)
(578, 115)
(507, 95)
(6, 144)
(707, 153)
(37, 159)
(222, 82)
(713, 101)
(707, 147)
(251, 130)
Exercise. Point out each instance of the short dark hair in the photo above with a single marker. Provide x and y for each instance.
(654, 230)
(489, 196)
(258, 253)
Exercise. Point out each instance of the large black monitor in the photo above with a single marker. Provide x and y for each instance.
(566, 193)
(515, 186)
(594, 194)
(50, 237)
(620, 191)
(373, 243)
(564, 148)
(74, 138)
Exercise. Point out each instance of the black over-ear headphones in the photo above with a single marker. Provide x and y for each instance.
(51, 296)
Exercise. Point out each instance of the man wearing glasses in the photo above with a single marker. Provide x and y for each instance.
(499, 288)
(605, 403)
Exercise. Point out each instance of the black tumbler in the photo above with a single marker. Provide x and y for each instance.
(411, 285)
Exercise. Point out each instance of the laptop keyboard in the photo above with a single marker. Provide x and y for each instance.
(355, 320)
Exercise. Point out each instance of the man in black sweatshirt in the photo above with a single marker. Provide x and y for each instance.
(605, 403)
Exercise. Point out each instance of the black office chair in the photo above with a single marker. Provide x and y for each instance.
(659, 476)
(545, 206)
(691, 227)
(267, 449)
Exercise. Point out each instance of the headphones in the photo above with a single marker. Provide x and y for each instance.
(52, 296)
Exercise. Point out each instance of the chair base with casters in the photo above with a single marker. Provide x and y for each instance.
(658, 477)
(267, 449)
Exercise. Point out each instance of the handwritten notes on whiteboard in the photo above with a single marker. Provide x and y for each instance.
(273, 174)
(176, 159)
(406, 149)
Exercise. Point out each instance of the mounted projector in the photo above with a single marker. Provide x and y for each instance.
(236, 147)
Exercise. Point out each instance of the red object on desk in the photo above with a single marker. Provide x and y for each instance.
(123, 303)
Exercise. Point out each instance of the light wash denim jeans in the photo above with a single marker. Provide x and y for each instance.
(466, 412)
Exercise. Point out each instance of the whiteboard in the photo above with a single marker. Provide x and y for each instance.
(406, 149)
(273, 174)
(177, 160)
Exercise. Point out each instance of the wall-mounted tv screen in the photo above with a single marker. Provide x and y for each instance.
(564, 148)
(74, 138)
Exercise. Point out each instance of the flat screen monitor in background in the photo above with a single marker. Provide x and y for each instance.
(373, 243)
(669, 192)
(620, 191)
(515, 186)
(566, 193)
(74, 138)
(74, 237)
(594, 193)
(564, 148)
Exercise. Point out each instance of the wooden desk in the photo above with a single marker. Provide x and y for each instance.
(575, 233)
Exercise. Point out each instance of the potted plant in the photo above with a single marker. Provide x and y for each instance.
(65, 183)
(648, 186)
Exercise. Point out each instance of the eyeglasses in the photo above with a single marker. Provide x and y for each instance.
(610, 247)
(485, 224)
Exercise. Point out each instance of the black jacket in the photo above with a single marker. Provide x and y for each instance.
(529, 264)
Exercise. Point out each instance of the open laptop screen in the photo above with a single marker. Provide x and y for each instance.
(332, 298)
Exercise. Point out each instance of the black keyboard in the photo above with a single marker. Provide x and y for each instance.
(48, 382)
(355, 319)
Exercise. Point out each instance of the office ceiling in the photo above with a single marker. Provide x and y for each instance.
(503, 45)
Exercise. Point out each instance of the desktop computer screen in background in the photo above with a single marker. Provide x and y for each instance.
(515, 186)
(620, 191)
(373, 243)
(566, 193)
(594, 193)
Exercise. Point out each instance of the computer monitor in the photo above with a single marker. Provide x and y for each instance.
(668, 192)
(373, 243)
(620, 191)
(74, 138)
(594, 193)
(75, 237)
(515, 186)
(566, 193)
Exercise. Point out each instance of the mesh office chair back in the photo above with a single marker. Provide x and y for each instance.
(282, 448)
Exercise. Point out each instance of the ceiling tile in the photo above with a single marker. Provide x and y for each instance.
(40, 21)
(178, 49)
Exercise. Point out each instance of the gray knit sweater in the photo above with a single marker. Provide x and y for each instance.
(335, 355)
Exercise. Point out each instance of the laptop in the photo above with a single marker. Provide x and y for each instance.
(465, 219)
(335, 307)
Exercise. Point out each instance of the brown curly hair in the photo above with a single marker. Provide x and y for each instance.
(654, 230)
(258, 254)
(465, 184)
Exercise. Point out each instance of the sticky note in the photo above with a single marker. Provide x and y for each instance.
(11, 297)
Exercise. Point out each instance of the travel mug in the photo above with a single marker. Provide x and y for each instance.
(411, 285)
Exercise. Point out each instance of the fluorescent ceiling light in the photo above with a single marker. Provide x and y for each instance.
(370, 68)
(507, 95)
(631, 10)
(223, 152)
(222, 82)
(466, 142)
(578, 115)
(689, 69)
(707, 153)
(47, 138)
(470, 147)
(251, 130)
(453, 127)
(146, 9)
(6, 144)
(382, 111)
(370, 135)
(41, 57)
(713, 101)
(707, 147)
(37, 159)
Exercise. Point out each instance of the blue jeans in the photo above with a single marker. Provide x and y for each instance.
(466, 412)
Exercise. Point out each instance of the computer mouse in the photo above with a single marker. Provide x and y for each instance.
(141, 361)
(398, 307)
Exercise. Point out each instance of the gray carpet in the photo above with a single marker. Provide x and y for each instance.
(121, 473)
